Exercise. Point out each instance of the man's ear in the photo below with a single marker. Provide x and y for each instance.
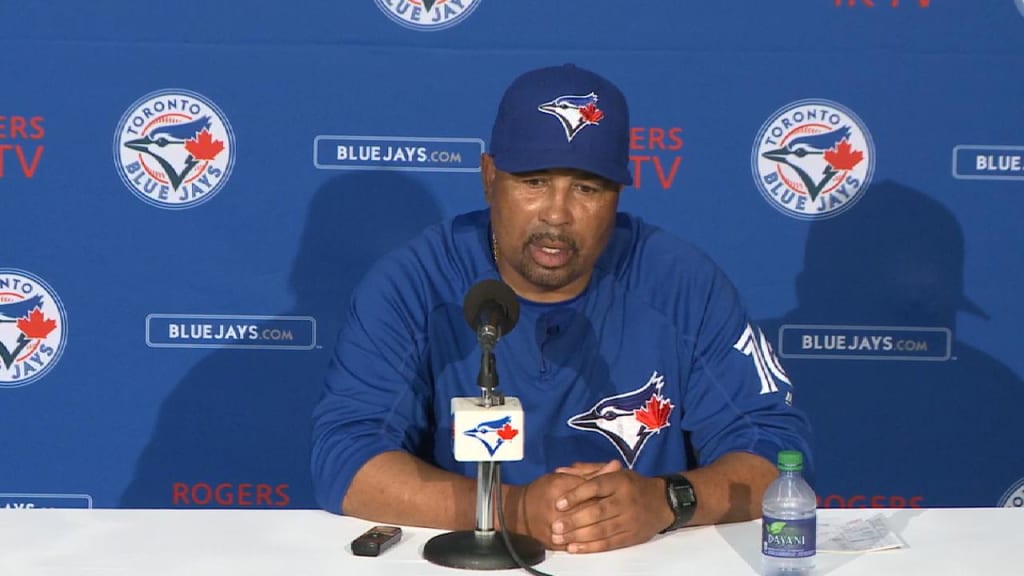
(487, 175)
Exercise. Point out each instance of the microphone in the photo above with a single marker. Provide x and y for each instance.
(487, 430)
(492, 309)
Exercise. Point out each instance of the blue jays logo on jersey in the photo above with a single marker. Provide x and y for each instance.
(628, 420)
(813, 159)
(33, 328)
(574, 112)
(494, 433)
(174, 149)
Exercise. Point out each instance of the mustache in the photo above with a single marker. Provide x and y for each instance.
(553, 237)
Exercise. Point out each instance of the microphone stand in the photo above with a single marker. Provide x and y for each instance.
(484, 547)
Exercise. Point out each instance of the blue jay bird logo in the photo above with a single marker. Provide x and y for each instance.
(492, 434)
(174, 149)
(628, 420)
(162, 139)
(19, 313)
(13, 311)
(813, 159)
(32, 328)
(574, 112)
(813, 148)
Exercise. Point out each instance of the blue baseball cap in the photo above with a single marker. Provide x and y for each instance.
(563, 117)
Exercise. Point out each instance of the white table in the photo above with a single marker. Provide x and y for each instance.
(56, 542)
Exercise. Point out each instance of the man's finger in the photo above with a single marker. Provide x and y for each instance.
(597, 487)
(590, 469)
(617, 541)
(582, 469)
(612, 533)
(586, 514)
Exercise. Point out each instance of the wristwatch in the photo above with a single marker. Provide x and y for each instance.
(681, 499)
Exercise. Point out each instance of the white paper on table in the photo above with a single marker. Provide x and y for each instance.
(859, 535)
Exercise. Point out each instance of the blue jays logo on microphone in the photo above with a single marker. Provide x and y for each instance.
(494, 433)
(428, 15)
(174, 149)
(33, 328)
(813, 159)
(574, 112)
(629, 420)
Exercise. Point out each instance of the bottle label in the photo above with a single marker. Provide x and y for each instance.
(788, 538)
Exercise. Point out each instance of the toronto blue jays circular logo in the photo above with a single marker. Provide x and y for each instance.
(1014, 497)
(33, 328)
(428, 15)
(813, 159)
(174, 149)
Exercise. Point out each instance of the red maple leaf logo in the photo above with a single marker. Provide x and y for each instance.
(844, 157)
(654, 415)
(203, 146)
(507, 432)
(591, 113)
(35, 325)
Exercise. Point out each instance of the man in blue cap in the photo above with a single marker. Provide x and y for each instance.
(652, 402)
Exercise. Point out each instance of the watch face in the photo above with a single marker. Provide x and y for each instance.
(681, 498)
(684, 495)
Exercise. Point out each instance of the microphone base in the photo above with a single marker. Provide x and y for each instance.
(481, 550)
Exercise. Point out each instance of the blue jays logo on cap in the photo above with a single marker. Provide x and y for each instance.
(494, 433)
(628, 420)
(523, 140)
(574, 112)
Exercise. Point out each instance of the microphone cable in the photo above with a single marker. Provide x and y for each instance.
(504, 535)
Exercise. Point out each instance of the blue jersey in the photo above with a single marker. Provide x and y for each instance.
(655, 363)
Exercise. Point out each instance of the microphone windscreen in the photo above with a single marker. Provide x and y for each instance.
(490, 293)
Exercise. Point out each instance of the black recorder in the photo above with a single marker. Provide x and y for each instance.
(376, 540)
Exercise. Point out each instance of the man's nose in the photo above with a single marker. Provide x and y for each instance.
(557, 208)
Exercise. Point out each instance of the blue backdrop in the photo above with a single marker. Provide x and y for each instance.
(190, 191)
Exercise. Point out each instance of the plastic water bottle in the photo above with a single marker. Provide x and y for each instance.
(789, 520)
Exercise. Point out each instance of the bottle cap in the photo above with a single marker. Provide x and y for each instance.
(791, 461)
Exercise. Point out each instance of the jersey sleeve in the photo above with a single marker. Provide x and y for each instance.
(375, 396)
(739, 398)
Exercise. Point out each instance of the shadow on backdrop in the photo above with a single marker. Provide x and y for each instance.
(943, 430)
(243, 416)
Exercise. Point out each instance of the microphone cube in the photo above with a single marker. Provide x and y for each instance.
(487, 434)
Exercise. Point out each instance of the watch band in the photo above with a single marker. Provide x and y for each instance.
(682, 499)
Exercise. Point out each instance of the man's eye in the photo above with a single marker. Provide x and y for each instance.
(587, 189)
(534, 182)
